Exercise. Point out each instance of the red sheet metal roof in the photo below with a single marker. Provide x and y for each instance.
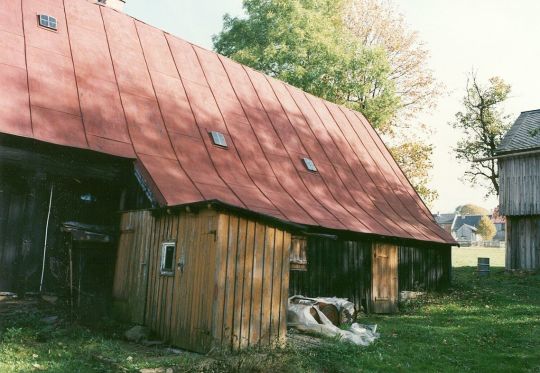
(108, 82)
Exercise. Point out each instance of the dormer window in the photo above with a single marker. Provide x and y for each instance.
(310, 165)
(218, 138)
(48, 22)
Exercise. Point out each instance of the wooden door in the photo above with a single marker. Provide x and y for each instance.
(131, 274)
(384, 280)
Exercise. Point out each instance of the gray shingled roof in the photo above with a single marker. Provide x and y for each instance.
(444, 218)
(472, 220)
(519, 136)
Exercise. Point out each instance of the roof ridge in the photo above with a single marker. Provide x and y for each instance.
(530, 111)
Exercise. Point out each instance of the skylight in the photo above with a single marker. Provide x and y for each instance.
(48, 22)
(310, 165)
(218, 138)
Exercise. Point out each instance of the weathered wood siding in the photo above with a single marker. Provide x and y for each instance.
(343, 268)
(252, 282)
(523, 242)
(425, 268)
(232, 290)
(131, 273)
(28, 170)
(520, 185)
(335, 268)
(384, 283)
(23, 206)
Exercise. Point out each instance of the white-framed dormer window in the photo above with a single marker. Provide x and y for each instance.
(218, 139)
(310, 165)
(168, 251)
(48, 22)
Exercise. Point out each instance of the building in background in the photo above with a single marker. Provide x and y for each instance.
(518, 156)
(445, 221)
(464, 228)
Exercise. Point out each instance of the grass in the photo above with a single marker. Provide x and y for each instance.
(468, 256)
(481, 325)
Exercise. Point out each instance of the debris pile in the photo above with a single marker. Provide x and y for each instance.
(325, 315)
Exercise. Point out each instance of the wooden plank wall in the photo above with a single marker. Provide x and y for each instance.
(335, 268)
(426, 268)
(343, 269)
(179, 307)
(252, 283)
(232, 291)
(23, 206)
(523, 242)
(520, 185)
(131, 273)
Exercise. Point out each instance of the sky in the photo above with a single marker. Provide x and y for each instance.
(493, 37)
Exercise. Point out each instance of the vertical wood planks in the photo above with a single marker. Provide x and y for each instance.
(240, 283)
(256, 290)
(254, 282)
(267, 284)
(230, 281)
(523, 243)
(230, 291)
(248, 285)
(131, 275)
(384, 278)
(284, 287)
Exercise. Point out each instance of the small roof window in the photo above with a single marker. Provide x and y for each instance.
(309, 164)
(218, 138)
(48, 22)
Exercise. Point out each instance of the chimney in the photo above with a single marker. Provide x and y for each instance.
(115, 4)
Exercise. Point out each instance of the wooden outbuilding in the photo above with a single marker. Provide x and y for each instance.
(519, 179)
(218, 190)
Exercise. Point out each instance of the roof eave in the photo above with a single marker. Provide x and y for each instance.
(294, 227)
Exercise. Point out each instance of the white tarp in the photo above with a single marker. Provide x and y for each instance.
(299, 316)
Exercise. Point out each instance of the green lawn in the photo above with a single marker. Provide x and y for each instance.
(481, 325)
(468, 256)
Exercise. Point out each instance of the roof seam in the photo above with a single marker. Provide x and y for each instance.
(328, 156)
(285, 148)
(159, 107)
(340, 129)
(258, 141)
(399, 208)
(385, 157)
(27, 72)
(306, 95)
(229, 132)
(116, 81)
(199, 130)
(306, 149)
(13, 66)
(75, 75)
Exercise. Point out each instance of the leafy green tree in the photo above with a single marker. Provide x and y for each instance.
(320, 47)
(411, 156)
(471, 209)
(305, 43)
(486, 228)
(377, 23)
(483, 124)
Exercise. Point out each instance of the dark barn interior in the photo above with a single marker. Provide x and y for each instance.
(343, 268)
(43, 187)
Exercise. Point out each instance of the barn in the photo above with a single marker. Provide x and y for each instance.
(193, 193)
(518, 158)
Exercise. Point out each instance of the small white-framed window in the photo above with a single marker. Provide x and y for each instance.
(168, 254)
(310, 165)
(219, 139)
(48, 22)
